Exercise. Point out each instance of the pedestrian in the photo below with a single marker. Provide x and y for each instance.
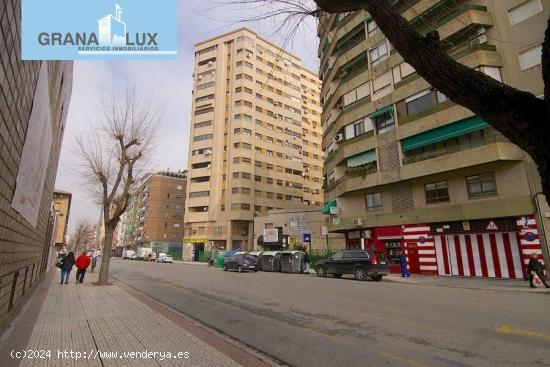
(403, 265)
(94, 263)
(82, 263)
(66, 265)
(535, 268)
(306, 261)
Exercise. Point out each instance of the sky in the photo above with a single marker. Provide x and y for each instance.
(168, 83)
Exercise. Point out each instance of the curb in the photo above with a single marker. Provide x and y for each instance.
(479, 288)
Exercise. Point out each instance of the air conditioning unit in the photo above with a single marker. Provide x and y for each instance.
(339, 138)
(207, 152)
(243, 233)
(256, 212)
(358, 222)
(199, 77)
(210, 63)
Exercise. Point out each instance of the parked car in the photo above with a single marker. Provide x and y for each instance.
(240, 262)
(127, 254)
(133, 256)
(361, 263)
(164, 258)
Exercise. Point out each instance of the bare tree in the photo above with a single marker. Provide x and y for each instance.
(113, 154)
(518, 115)
(81, 235)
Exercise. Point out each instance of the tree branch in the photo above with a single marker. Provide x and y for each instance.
(519, 115)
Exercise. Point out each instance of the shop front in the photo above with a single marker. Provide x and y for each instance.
(491, 248)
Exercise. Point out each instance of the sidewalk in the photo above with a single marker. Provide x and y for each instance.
(507, 285)
(103, 325)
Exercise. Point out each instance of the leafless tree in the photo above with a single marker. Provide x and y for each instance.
(113, 154)
(81, 235)
(520, 116)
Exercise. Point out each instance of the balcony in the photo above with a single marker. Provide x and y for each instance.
(354, 177)
(486, 150)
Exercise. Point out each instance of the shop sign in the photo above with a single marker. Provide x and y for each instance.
(421, 239)
(492, 226)
(530, 236)
(466, 226)
(354, 235)
(292, 240)
(306, 237)
(271, 235)
(334, 210)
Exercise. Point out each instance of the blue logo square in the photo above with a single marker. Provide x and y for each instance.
(99, 30)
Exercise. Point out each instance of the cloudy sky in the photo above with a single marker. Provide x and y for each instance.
(170, 85)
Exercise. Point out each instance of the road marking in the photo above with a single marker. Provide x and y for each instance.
(504, 329)
(406, 361)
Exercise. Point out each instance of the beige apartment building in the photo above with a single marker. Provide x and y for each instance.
(62, 206)
(255, 138)
(406, 169)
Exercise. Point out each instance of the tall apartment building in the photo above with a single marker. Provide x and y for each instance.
(157, 221)
(255, 138)
(34, 100)
(408, 170)
(62, 206)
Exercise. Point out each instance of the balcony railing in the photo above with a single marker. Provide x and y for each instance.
(352, 172)
(460, 147)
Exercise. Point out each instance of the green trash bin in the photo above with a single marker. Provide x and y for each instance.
(220, 259)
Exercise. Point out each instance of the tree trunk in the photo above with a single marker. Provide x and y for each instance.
(106, 257)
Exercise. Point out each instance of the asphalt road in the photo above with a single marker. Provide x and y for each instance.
(303, 320)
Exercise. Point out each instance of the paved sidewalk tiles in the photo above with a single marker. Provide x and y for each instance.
(115, 320)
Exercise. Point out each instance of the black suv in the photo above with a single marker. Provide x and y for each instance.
(361, 263)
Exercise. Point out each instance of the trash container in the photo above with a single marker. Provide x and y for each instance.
(269, 261)
(219, 263)
(292, 262)
(258, 256)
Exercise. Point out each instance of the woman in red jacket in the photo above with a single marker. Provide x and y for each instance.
(82, 263)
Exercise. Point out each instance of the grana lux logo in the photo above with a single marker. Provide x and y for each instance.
(111, 36)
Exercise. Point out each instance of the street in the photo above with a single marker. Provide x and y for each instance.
(303, 320)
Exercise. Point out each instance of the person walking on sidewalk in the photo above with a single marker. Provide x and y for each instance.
(403, 265)
(306, 262)
(94, 263)
(67, 263)
(535, 268)
(82, 263)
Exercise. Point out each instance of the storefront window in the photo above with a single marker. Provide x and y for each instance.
(393, 251)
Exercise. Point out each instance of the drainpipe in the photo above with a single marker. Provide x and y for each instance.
(542, 232)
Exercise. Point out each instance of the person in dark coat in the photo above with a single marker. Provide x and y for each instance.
(67, 264)
(306, 262)
(535, 268)
(403, 265)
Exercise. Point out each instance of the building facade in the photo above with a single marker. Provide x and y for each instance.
(255, 139)
(34, 99)
(156, 214)
(407, 169)
(302, 227)
(62, 206)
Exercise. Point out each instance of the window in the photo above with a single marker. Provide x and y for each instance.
(202, 137)
(359, 128)
(203, 124)
(205, 86)
(199, 194)
(384, 122)
(419, 102)
(524, 11)
(372, 28)
(393, 251)
(481, 185)
(437, 192)
(530, 57)
(374, 201)
(378, 53)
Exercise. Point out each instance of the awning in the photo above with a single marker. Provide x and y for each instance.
(442, 133)
(387, 109)
(362, 158)
(325, 209)
(195, 240)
